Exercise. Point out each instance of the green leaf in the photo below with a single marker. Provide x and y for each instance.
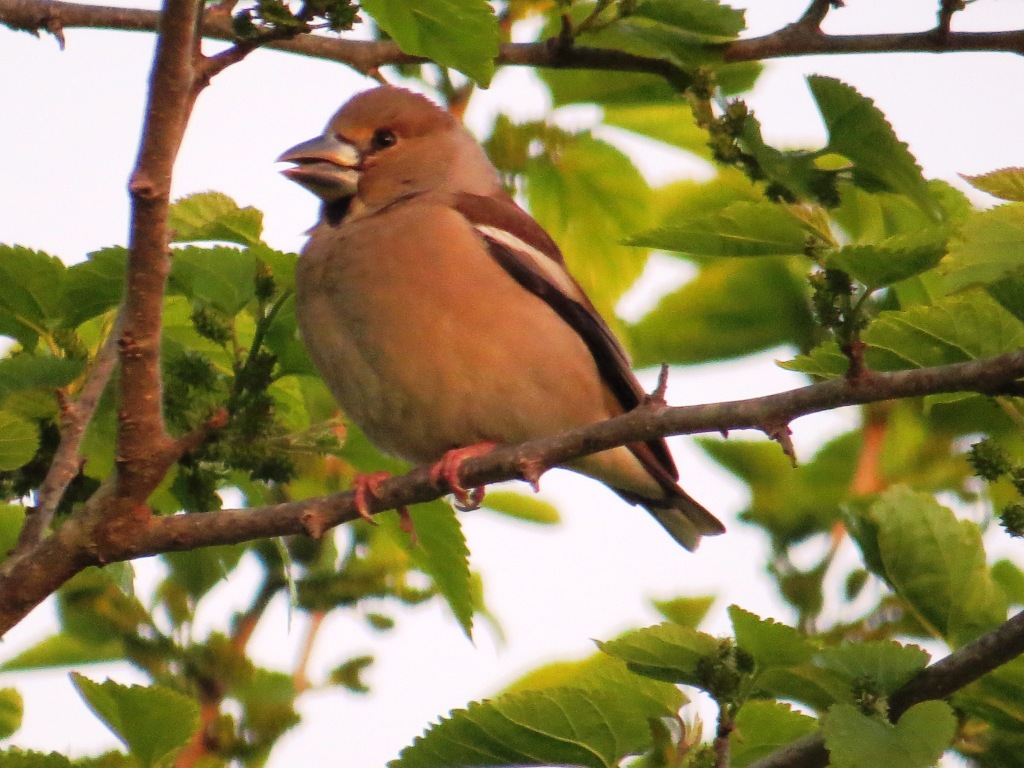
(741, 229)
(825, 360)
(11, 710)
(19, 440)
(30, 293)
(595, 727)
(23, 758)
(12, 518)
(462, 34)
(592, 86)
(918, 740)
(816, 687)
(94, 286)
(891, 260)
(65, 650)
(703, 17)
(441, 552)
(1006, 183)
(954, 329)
(23, 372)
(668, 652)
(989, 247)
(199, 570)
(858, 130)
(770, 643)
(522, 507)
(686, 611)
(222, 277)
(664, 122)
(761, 727)
(268, 701)
(790, 504)
(1010, 578)
(151, 721)
(886, 663)
(590, 197)
(936, 563)
(730, 309)
(213, 217)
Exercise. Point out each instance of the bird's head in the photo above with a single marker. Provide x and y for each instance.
(386, 144)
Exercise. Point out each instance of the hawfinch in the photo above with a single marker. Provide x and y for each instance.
(441, 315)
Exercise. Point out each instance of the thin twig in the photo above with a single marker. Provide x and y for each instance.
(66, 461)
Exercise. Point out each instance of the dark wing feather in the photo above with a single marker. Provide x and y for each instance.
(521, 246)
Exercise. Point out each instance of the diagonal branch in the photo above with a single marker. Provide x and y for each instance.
(91, 538)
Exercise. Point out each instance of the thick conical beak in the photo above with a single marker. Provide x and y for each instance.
(326, 166)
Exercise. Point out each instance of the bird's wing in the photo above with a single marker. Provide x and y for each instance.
(529, 255)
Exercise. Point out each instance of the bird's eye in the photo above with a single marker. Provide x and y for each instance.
(382, 139)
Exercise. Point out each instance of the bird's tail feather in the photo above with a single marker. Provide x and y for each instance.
(684, 519)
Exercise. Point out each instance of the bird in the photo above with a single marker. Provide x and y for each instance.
(442, 316)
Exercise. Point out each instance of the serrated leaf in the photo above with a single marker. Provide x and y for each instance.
(590, 197)
(19, 440)
(213, 217)
(65, 650)
(94, 286)
(816, 687)
(892, 259)
(30, 292)
(825, 360)
(761, 727)
(770, 643)
(11, 710)
(741, 229)
(954, 329)
(151, 720)
(989, 247)
(886, 663)
(686, 611)
(668, 652)
(222, 277)
(522, 507)
(1006, 183)
(936, 563)
(593, 727)
(858, 130)
(442, 553)
(730, 309)
(461, 34)
(918, 740)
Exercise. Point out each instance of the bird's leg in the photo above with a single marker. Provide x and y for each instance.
(447, 469)
(366, 486)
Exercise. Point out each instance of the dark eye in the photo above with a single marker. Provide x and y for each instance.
(382, 139)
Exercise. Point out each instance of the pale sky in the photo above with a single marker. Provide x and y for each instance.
(70, 124)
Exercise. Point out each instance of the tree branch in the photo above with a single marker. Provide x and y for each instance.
(801, 38)
(91, 539)
(937, 681)
(75, 418)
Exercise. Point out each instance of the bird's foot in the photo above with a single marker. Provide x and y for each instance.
(367, 487)
(447, 470)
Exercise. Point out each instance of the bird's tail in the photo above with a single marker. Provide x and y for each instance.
(684, 519)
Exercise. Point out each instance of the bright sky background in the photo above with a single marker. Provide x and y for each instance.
(70, 122)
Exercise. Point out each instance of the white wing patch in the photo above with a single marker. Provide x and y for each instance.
(539, 260)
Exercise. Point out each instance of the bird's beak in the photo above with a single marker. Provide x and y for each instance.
(326, 166)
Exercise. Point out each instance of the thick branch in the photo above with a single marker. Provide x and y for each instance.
(26, 580)
(142, 440)
(799, 39)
